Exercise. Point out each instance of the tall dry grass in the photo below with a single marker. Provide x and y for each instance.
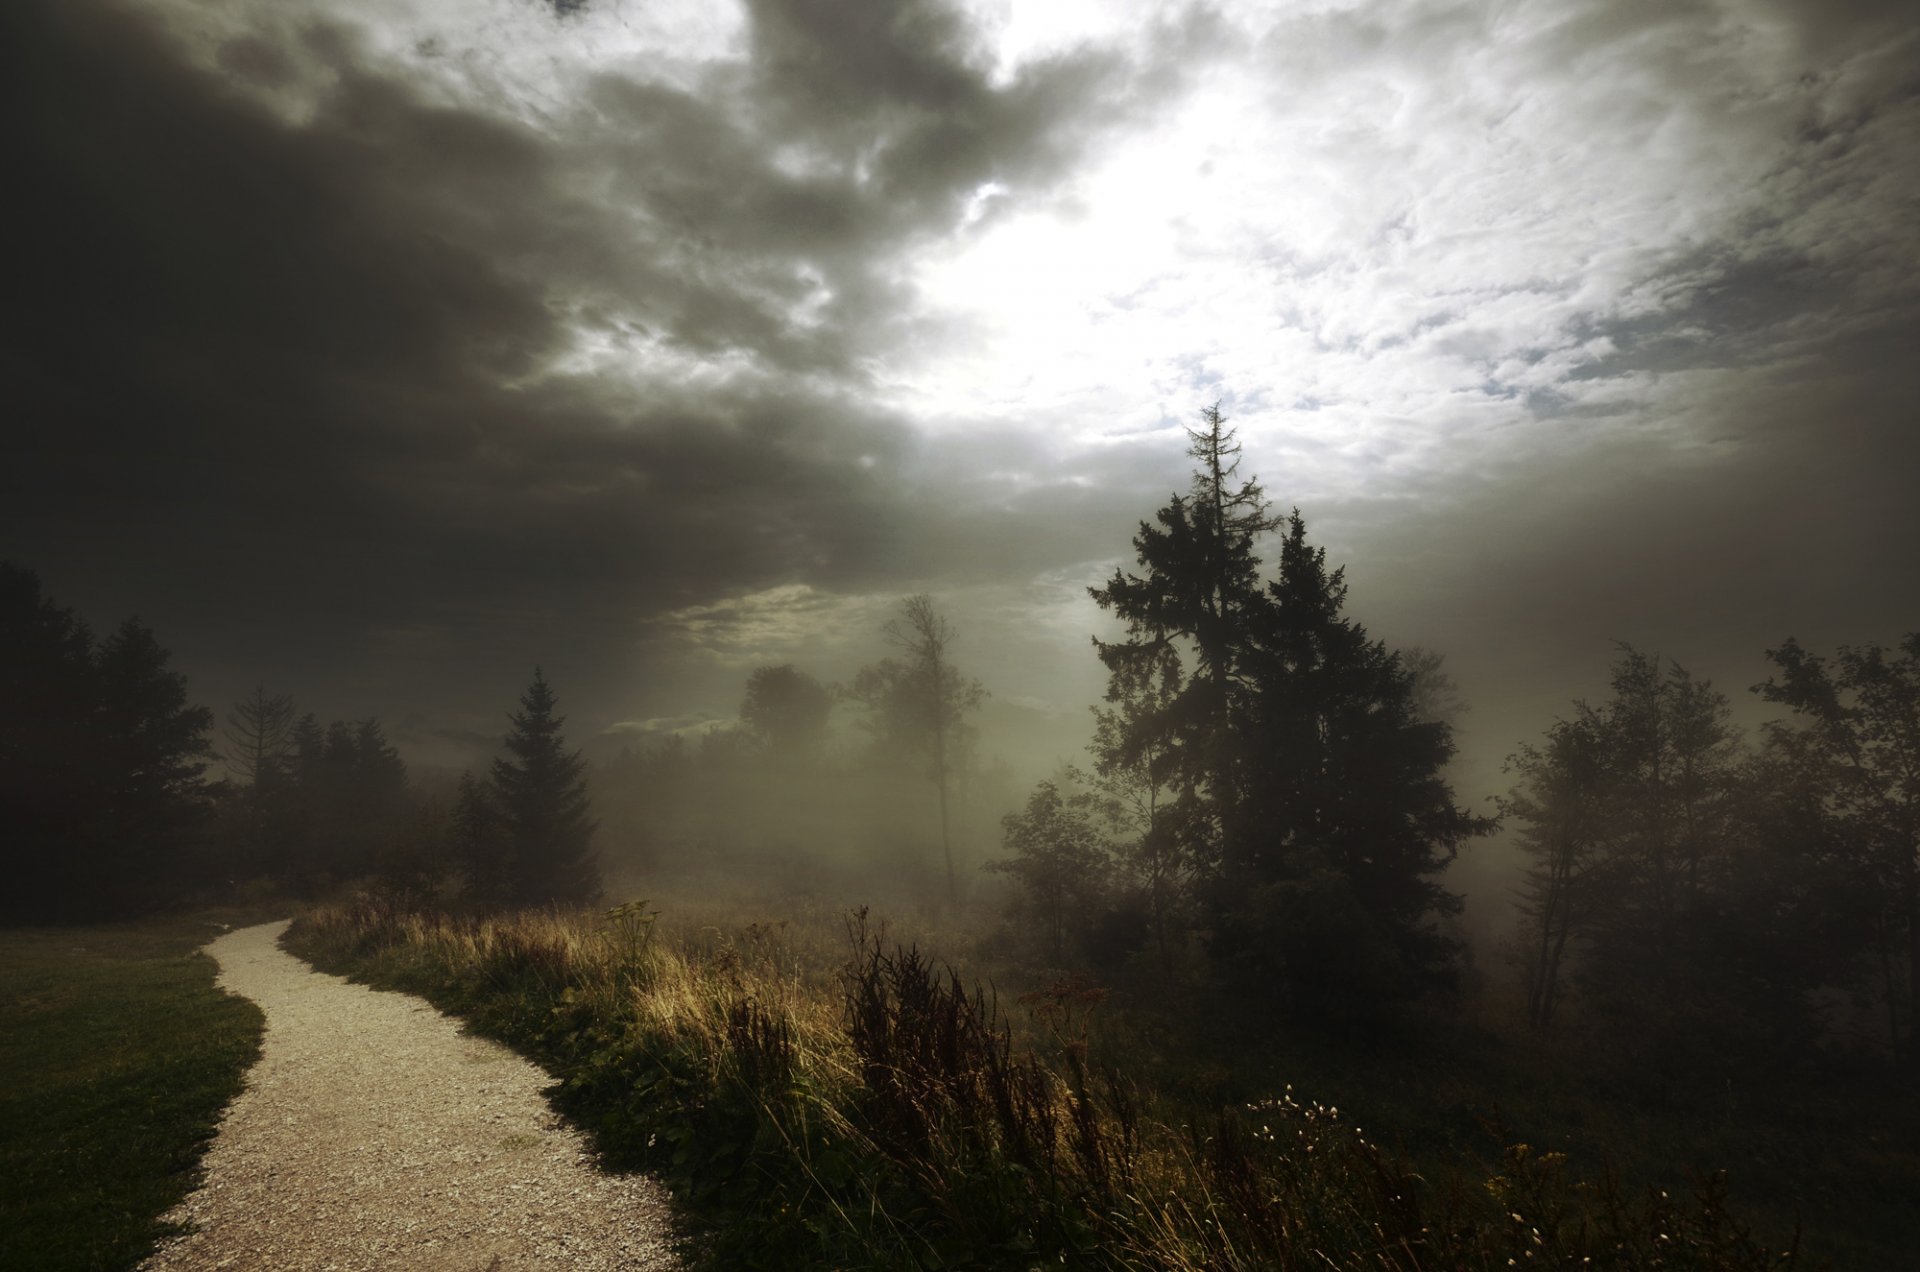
(868, 1108)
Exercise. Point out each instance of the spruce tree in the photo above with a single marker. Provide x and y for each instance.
(541, 792)
(1304, 779)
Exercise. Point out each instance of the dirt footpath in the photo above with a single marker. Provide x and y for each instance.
(374, 1135)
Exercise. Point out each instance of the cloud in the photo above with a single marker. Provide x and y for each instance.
(414, 343)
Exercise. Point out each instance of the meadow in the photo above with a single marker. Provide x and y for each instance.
(820, 1091)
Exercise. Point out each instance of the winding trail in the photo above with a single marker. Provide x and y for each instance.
(374, 1134)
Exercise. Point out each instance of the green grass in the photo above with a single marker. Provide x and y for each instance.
(867, 1110)
(117, 1054)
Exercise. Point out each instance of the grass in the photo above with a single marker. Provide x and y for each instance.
(117, 1055)
(871, 1109)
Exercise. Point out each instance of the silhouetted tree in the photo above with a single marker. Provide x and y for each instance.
(541, 792)
(1856, 739)
(47, 702)
(1198, 591)
(919, 704)
(259, 736)
(1671, 762)
(154, 746)
(787, 710)
(1061, 862)
(1436, 697)
(1133, 777)
(1334, 887)
(1306, 787)
(101, 757)
(477, 843)
(1560, 801)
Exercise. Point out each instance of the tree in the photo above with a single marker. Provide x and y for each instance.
(1857, 738)
(476, 841)
(1670, 756)
(1198, 592)
(154, 746)
(47, 698)
(1350, 814)
(1436, 696)
(787, 710)
(259, 735)
(101, 757)
(1559, 800)
(1306, 789)
(1133, 776)
(1060, 862)
(919, 704)
(541, 792)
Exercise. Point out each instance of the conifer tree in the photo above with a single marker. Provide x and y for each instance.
(541, 791)
(1305, 782)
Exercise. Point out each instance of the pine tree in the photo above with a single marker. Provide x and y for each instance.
(1305, 782)
(1198, 595)
(476, 841)
(1334, 886)
(541, 792)
(259, 736)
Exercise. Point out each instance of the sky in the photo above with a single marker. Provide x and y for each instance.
(376, 351)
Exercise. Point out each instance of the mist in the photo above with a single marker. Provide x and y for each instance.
(1389, 526)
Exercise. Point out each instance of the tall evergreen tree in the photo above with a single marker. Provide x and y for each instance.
(541, 791)
(476, 841)
(1197, 596)
(1306, 783)
(1334, 888)
(153, 747)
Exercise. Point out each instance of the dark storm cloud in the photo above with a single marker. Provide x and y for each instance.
(288, 342)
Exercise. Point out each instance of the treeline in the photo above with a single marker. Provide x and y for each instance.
(102, 801)
(108, 809)
(1692, 895)
(1265, 813)
(879, 781)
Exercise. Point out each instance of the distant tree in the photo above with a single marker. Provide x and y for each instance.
(1856, 740)
(1435, 695)
(540, 789)
(787, 710)
(259, 737)
(1061, 863)
(919, 703)
(1559, 801)
(1672, 760)
(477, 844)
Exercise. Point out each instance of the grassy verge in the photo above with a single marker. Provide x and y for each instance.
(881, 1113)
(117, 1055)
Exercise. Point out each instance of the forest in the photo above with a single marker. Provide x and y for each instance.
(1242, 884)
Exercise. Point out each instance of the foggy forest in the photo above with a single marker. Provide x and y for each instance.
(1207, 640)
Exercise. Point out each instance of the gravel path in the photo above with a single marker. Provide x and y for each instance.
(373, 1134)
